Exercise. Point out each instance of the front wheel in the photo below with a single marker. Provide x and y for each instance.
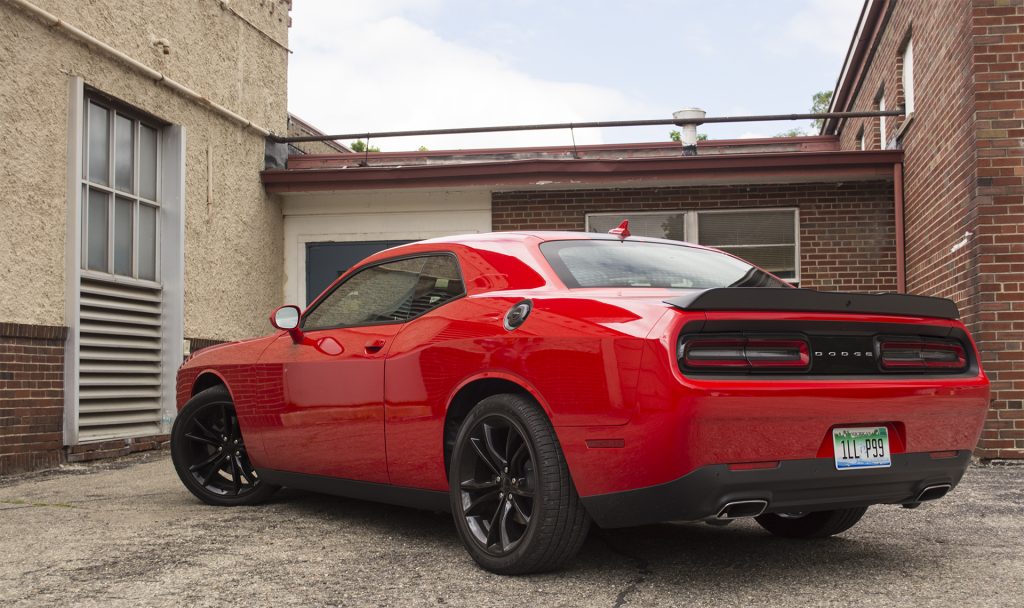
(816, 524)
(513, 501)
(209, 452)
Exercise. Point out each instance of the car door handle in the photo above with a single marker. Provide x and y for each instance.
(374, 345)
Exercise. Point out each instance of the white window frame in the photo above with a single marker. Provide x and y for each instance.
(170, 261)
(111, 190)
(691, 226)
(908, 77)
(881, 121)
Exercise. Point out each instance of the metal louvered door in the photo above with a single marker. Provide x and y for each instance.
(119, 360)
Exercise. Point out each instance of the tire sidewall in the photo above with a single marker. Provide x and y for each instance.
(491, 406)
(210, 397)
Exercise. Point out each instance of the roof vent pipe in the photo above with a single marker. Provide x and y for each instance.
(687, 120)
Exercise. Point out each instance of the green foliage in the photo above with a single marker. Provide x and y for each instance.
(821, 101)
(677, 136)
(423, 149)
(794, 132)
(360, 146)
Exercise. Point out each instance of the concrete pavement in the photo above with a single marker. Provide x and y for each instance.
(126, 533)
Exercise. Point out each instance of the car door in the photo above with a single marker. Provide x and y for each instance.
(329, 417)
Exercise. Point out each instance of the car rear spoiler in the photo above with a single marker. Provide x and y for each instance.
(809, 300)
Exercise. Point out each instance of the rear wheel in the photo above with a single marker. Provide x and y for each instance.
(816, 524)
(513, 501)
(209, 452)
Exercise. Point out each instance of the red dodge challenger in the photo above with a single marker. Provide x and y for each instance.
(532, 383)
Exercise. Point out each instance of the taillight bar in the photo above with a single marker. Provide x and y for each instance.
(908, 354)
(743, 353)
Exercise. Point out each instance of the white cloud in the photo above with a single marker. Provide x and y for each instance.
(366, 66)
(823, 25)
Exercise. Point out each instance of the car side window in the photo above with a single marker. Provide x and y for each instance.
(392, 292)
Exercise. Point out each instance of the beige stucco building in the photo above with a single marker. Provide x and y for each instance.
(133, 136)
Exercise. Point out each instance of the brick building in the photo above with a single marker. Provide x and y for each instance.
(93, 321)
(958, 69)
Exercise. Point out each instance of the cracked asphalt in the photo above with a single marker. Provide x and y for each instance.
(126, 533)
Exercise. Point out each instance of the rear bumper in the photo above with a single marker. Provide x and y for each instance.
(795, 485)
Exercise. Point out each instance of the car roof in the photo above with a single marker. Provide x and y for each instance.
(538, 236)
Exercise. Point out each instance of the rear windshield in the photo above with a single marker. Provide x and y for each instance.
(600, 263)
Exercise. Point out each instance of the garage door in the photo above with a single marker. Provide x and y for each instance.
(325, 262)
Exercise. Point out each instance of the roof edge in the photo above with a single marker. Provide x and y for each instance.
(574, 173)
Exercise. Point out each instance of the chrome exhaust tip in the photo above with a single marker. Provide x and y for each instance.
(741, 508)
(934, 492)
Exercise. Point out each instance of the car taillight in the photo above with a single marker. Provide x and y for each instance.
(899, 354)
(742, 353)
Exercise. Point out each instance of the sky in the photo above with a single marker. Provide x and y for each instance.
(386, 65)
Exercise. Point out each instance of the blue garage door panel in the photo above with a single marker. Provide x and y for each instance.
(325, 262)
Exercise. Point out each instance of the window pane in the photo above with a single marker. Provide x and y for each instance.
(667, 225)
(123, 236)
(438, 284)
(388, 293)
(124, 153)
(147, 162)
(97, 227)
(779, 260)
(147, 242)
(746, 228)
(99, 144)
(614, 263)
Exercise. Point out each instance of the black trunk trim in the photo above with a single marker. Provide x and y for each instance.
(809, 300)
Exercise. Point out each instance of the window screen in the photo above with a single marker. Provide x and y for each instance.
(764, 238)
(391, 292)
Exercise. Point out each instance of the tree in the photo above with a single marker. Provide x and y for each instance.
(423, 149)
(360, 146)
(677, 136)
(794, 132)
(820, 105)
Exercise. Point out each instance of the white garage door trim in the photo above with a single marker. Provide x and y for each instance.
(379, 215)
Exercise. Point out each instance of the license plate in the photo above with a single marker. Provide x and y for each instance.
(861, 447)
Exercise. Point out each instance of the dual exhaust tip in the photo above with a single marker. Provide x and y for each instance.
(753, 508)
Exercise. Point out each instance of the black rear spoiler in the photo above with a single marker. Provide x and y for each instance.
(809, 300)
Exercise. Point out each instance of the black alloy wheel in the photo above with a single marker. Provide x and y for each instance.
(209, 454)
(498, 495)
(513, 501)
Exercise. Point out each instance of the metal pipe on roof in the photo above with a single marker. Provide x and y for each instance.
(588, 125)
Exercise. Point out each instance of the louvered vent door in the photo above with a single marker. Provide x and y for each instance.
(119, 360)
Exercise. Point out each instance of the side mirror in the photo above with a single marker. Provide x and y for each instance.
(287, 318)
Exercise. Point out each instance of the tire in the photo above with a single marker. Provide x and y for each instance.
(534, 488)
(209, 453)
(818, 524)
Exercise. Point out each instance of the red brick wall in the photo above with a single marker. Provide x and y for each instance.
(963, 172)
(847, 235)
(998, 203)
(31, 396)
(32, 404)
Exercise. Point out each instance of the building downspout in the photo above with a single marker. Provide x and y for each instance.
(53, 21)
(901, 252)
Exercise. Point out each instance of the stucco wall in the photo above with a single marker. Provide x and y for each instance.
(233, 245)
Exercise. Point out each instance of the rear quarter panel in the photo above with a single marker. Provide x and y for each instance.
(578, 356)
